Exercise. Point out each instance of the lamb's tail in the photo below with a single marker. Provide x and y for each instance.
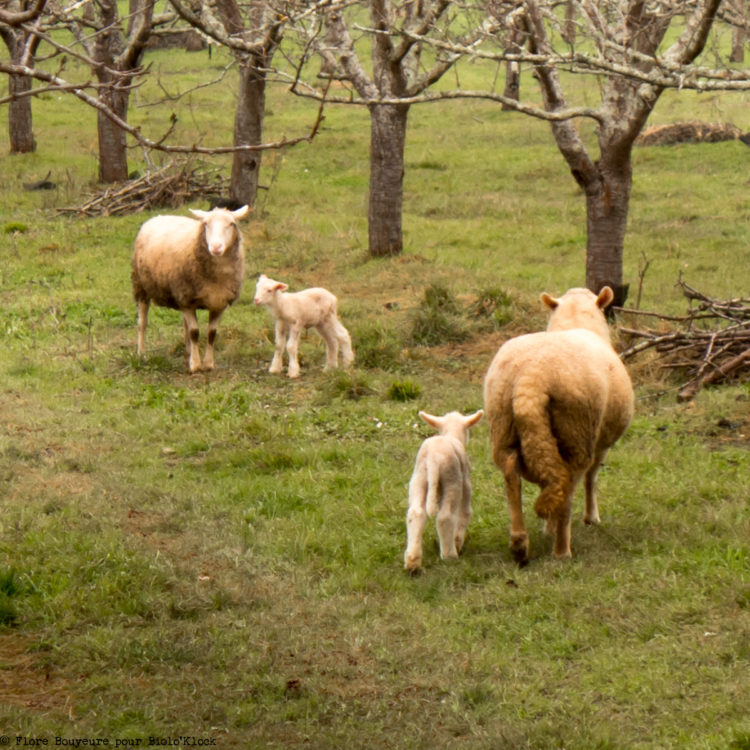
(540, 452)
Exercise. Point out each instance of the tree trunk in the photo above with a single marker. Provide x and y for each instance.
(113, 156)
(20, 131)
(387, 143)
(512, 83)
(607, 202)
(248, 131)
(739, 33)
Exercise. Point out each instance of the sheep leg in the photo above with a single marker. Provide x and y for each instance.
(328, 334)
(292, 343)
(277, 363)
(447, 519)
(416, 518)
(519, 539)
(464, 514)
(591, 514)
(190, 322)
(345, 344)
(142, 321)
(562, 549)
(214, 316)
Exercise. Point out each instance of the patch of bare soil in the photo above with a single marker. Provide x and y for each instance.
(27, 682)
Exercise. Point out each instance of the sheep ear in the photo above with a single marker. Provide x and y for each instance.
(241, 213)
(431, 420)
(472, 419)
(281, 286)
(604, 300)
(549, 300)
(202, 215)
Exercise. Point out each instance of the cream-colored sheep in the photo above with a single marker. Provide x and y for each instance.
(440, 484)
(556, 401)
(295, 311)
(189, 264)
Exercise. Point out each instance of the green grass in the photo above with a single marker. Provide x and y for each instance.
(221, 556)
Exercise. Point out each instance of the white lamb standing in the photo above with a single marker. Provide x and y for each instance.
(295, 311)
(189, 264)
(556, 402)
(440, 484)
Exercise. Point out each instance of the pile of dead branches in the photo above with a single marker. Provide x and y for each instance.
(692, 131)
(168, 187)
(712, 343)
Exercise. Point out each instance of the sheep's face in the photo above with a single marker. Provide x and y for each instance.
(220, 228)
(266, 289)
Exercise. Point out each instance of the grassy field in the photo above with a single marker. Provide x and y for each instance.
(220, 557)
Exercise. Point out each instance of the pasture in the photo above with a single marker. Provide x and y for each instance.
(220, 556)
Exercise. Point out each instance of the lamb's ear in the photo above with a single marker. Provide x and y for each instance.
(472, 419)
(549, 300)
(241, 213)
(202, 215)
(431, 420)
(605, 297)
(280, 286)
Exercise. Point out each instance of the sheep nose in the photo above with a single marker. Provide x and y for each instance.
(216, 248)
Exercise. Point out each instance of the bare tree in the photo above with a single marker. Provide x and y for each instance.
(116, 51)
(395, 75)
(737, 14)
(628, 33)
(18, 28)
(253, 32)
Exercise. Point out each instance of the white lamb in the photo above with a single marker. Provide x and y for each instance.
(189, 264)
(440, 484)
(295, 311)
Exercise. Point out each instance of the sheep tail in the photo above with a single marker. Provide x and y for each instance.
(540, 452)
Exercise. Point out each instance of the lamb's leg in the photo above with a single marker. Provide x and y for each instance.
(464, 514)
(142, 321)
(416, 518)
(519, 539)
(191, 340)
(292, 344)
(447, 522)
(345, 344)
(277, 363)
(214, 316)
(591, 514)
(332, 345)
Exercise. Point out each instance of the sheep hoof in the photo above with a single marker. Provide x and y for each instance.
(413, 565)
(594, 521)
(519, 547)
(566, 555)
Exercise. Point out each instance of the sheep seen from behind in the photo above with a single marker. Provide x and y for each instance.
(189, 264)
(296, 311)
(440, 484)
(556, 402)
